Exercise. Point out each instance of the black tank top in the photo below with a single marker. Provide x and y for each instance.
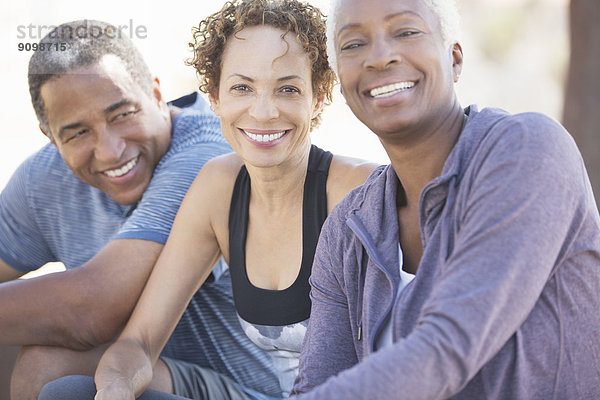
(291, 305)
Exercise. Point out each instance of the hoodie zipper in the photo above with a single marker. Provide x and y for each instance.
(357, 227)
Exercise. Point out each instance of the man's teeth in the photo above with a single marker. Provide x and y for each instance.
(265, 138)
(389, 90)
(123, 170)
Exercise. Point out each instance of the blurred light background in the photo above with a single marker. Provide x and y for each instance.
(516, 54)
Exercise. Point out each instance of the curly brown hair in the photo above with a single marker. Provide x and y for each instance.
(304, 20)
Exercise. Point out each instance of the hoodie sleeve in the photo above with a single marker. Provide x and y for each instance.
(526, 198)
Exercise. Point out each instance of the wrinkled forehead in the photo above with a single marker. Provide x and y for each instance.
(342, 12)
(261, 50)
(442, 13)
(109, 68)
(85, 91)
(348, 10)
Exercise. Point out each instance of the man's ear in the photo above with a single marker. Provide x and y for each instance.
(48, 135)
(457, 60)
(156, 92)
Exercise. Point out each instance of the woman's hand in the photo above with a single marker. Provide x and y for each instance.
(124, 371)
(118, 388)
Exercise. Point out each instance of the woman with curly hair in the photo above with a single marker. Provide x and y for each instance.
(263, 64)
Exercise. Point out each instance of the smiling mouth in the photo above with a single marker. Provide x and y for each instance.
(264, 137)
(117, 172)
(390, 90)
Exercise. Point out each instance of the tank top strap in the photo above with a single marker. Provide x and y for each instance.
(314, 206)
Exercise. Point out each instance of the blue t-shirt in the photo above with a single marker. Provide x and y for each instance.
(47, 214)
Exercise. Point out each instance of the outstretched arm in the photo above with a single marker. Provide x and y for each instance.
(190, 253)
(82, 307)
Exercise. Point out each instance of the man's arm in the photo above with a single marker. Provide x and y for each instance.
(88, 305)
(7, 273)
(79, 308)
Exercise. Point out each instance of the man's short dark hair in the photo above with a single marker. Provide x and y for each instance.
(78, 44)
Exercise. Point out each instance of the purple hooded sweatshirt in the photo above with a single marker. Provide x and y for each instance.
(506, 301)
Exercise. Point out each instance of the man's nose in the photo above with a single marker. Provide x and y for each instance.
(109, 146)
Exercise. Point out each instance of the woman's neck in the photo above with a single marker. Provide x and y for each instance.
(280, 186)
(420, 161)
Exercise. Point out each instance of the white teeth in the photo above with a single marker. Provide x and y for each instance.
(389, 90)
(265, 138)
(123, 170)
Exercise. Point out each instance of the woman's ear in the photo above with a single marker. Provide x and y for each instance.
(214, 103)
(457, 60)
(319, 104)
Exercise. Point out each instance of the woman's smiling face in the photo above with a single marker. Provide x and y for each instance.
(395, 70)
(265, 98)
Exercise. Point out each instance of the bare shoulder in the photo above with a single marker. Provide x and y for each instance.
(209, 198)
(213, 185)
(345, 174)
(218, 174)
(224, 164)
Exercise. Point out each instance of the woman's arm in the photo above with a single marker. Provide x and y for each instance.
(190, 253)
(523, 202)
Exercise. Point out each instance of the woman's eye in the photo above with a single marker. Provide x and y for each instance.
(404, 34)
(240, 88)
(290, 89)
(351, 46)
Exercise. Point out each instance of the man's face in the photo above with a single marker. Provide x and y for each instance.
(109, 131)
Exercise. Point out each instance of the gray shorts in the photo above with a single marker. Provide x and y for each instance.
(194, 382)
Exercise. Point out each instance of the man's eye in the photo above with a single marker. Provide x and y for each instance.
(125, 114)
(77, 135)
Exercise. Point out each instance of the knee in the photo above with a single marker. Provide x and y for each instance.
(74, 387)
(31, 360)
(30, 372)
(38, 365)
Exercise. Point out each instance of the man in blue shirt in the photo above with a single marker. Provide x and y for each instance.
(101, 198)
